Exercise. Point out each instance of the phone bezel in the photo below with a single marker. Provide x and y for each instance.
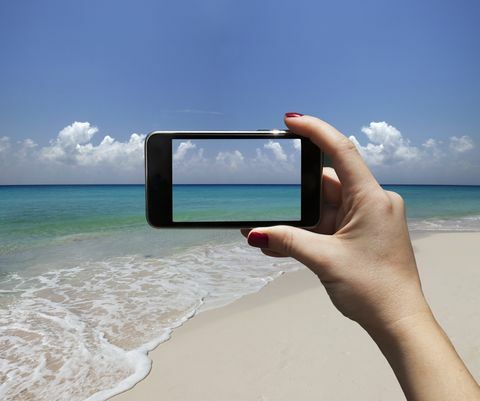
(158, 179)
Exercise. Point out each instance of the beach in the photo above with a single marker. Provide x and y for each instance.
(92, 299)
(287, 342)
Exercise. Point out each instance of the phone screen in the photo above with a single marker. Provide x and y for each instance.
(236, 180)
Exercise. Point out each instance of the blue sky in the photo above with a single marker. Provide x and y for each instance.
(121, 68)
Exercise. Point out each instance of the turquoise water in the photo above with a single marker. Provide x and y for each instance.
(439, 201)
(39, 217)
(36, 215)
(441, 207)
(236, 202)
(87, 287)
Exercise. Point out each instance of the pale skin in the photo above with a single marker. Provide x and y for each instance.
(362, 254)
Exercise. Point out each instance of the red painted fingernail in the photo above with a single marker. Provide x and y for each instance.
(259, 240)
(288, 115)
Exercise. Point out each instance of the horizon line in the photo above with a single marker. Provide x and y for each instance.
(143, 184)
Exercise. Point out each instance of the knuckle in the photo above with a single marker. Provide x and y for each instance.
(382, 201)
(399, 203)
(345, 145)
(396, 199)
(388, 203)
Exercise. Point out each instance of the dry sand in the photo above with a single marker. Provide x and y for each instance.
(288, 342)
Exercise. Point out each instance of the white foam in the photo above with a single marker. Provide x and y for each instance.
(85, 332)
(461, 224)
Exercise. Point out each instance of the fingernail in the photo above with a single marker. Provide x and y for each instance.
(259, 240)
(288, 115)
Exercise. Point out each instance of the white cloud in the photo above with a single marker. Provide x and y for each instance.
(237, 165)
(387, 145)
(28, 143)
(182, 150)
(297, 144)
(233, 160)
(65, 147)
(430, 143)
(26, 148)
(73, 146)
(461, 144)
(277, 150)
(394, 159)
(4, 144)
(73, 157)
(433, 147)
(126, 155)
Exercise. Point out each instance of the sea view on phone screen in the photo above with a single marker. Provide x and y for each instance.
(236, 180)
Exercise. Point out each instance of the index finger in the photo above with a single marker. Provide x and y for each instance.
(347, 162)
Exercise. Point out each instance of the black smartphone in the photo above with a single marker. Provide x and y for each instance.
(232, 179)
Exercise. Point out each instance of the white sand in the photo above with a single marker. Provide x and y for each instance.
(288, 342)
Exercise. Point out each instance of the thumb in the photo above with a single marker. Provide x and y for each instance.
(309, 248)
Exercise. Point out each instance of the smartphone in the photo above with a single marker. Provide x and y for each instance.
(231, 179)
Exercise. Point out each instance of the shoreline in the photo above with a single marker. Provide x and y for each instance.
(280, 338)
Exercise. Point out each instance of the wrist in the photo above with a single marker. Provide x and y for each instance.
(409, 322)
(404, 329)
(424, 360)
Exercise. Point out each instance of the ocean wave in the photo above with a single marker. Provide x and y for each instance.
(85, 332)
(464, 223)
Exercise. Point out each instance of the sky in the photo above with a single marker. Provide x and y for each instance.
(236, 161)
(82, 83)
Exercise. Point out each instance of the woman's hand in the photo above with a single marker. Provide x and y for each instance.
(362, 253)
(361, 249)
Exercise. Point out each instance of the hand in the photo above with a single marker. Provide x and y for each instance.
(362, 253)
(361, 249)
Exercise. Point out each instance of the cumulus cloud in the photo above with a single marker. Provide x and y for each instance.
(65, 147)
(394, 159)
(73, 146)
(433, 147)
(79, 154)
(72, 156)
(297, 144)
(461, 144)
(431, 143)
(182, 150)
(233, 160)
(277, 150)
(112, 152)
(28, 143)
(387, 145)
(4, 144)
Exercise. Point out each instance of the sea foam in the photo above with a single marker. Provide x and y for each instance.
(450, 224)
(84, 333)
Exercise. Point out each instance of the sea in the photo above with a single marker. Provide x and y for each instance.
(87, 288)
(220, 202)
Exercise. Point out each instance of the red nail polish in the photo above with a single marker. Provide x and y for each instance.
(288, 115)
(259, 240)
